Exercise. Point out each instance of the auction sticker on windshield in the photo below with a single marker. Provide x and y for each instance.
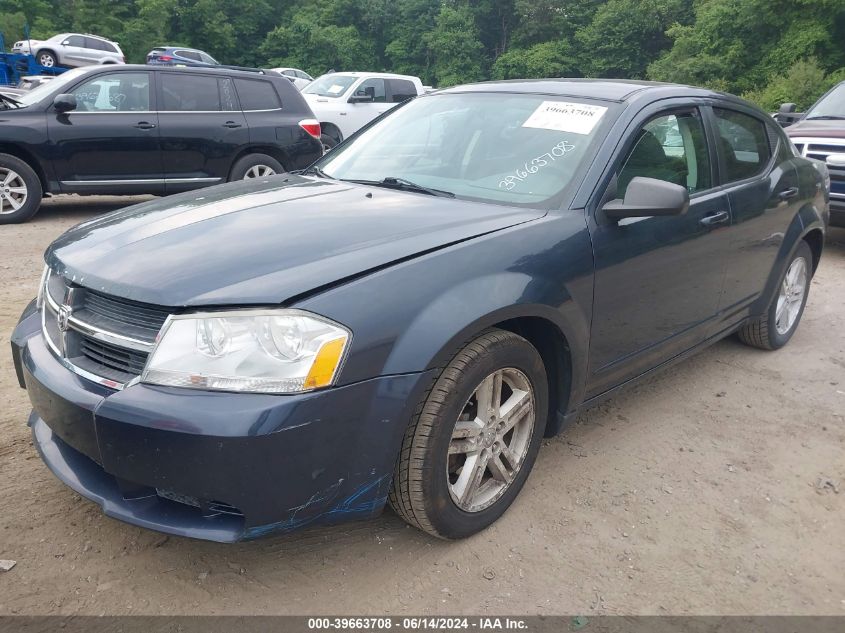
(578, 118)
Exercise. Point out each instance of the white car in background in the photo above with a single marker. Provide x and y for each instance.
(345, 102)
(72, 49)
(298, 78)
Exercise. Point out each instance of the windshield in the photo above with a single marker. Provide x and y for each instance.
(832, 105)
(329, 85)
(54, 86)
(494, 147)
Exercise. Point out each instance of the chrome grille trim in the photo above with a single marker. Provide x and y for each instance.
(820, 149)
(119, 359)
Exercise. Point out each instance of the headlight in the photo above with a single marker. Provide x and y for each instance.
(261, 351)
(39, 300)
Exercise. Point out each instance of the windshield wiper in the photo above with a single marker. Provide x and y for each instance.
(825, 117)
(316, 171)
(393, 182)
(11, 100)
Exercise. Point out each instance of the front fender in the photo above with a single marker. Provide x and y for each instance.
(415, 315)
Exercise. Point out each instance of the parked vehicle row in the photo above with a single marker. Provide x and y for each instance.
(149, 129)
(407, 319)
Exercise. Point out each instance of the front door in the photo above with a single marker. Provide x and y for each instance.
(359, 113)
(202, 129)
(110, 142)
(657, 279)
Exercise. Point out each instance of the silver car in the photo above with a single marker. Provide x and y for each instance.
(298, 78)
(72, 49)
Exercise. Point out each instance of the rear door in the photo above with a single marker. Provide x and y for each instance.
(761, 183)
(202, 128)
(657, 279)
(110, 143)
(74, 51)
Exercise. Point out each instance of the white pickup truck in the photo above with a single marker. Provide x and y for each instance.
(346, 102)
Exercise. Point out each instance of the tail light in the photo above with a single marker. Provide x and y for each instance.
(312, 126)
(164, 58)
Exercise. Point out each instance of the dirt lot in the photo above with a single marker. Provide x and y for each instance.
(695, 492)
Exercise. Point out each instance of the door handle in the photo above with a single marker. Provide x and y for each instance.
(145, 125)
(717, 217)
(786, 194)
(231, 124)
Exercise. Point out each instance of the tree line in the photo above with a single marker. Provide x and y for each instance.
(767, 50)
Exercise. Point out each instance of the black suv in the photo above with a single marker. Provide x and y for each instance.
(141, 130)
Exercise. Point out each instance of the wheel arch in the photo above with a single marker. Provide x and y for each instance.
(29, 159)
(815, 239)
(330, 129)
(503, 301)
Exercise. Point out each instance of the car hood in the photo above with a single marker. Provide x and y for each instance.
(253, 243)
(820, 128)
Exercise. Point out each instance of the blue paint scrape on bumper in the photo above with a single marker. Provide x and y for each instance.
(217, 466)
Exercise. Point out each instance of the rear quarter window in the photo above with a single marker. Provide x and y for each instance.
(257, 94)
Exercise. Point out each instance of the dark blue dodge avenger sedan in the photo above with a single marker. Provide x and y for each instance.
(405, 321)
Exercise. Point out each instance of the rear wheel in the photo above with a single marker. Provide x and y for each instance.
(474, 439)
(328, 142)
(20, 190)
(776, 327)
(48, 59)
(256, 166)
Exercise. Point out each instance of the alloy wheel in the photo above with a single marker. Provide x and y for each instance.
(490, 439)
(791, 296)
(259, 171)
(13, 192)
(46, 61)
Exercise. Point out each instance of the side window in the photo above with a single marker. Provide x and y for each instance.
(228, 99)
(304, 75)
(189, 55)
(402, 90)
(374, 88)
(208, 59)
(743, 144)
(118, 92)
(185, 93)
(98, 45)
(671, 147)
(256, 94)
(76, 40)
(289, 73)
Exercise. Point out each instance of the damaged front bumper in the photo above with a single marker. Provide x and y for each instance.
(211, 465)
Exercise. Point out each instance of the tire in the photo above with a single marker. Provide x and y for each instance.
(47, 59)
(20, 190)
(255, 166)
(328, 143)
(767, 332)
(427, 482)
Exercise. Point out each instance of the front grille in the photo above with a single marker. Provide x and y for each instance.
(107, 339)
(820, 149)
(208, 508)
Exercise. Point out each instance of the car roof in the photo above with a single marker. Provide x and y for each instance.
(603, 89)
(356, 73)
(213, 70)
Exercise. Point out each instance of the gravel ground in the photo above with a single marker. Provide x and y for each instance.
(696, 492)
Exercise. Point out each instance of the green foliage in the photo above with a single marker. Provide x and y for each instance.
(547, 59)
(455, 47)
(802, 85)
(770, 50)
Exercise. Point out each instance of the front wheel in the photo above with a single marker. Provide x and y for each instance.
(20, 190)
(774, 329)
(328, 143)
(474, 439)
(47, 59)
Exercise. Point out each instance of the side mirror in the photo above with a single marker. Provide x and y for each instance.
(835, 160)
(786, 114)
(66, 42)
(646, 197)
(365, 95)
(787, 108)
(64, 102)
